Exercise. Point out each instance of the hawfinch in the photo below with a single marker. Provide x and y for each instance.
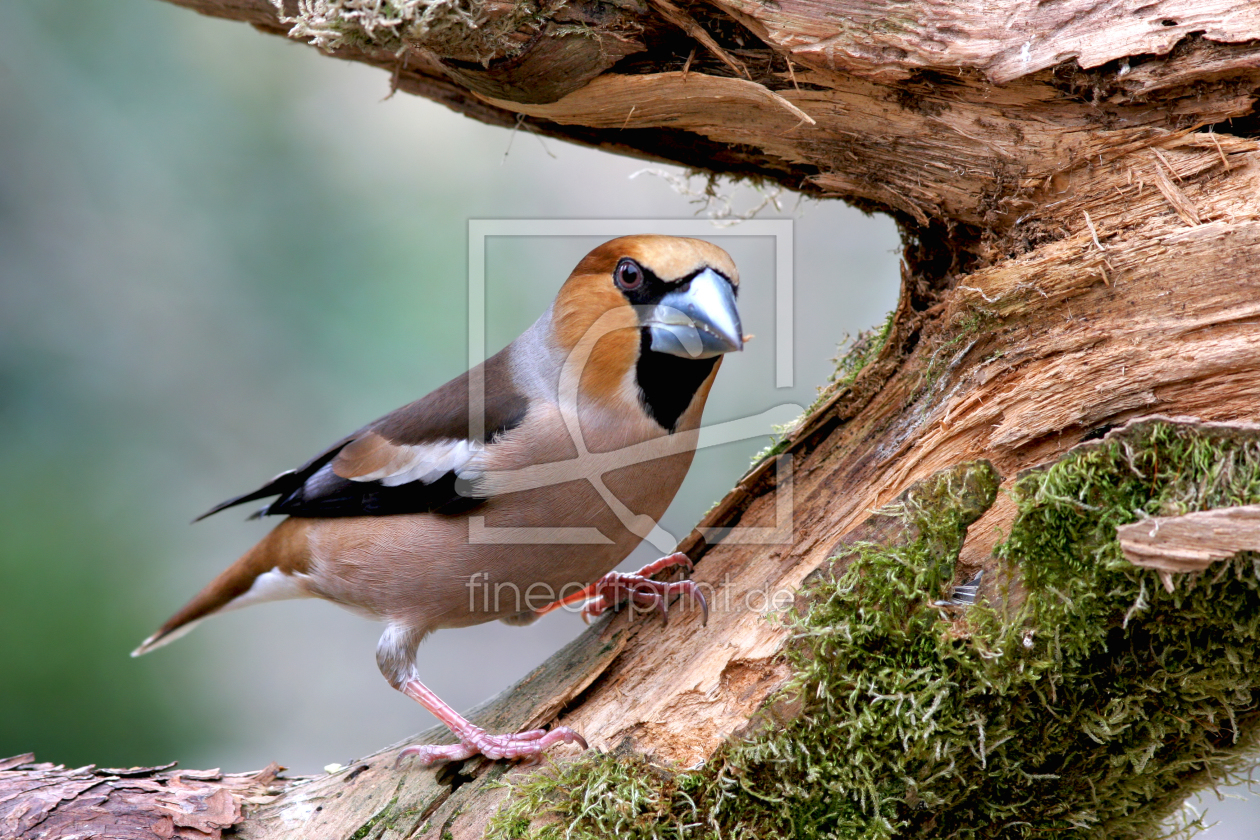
(514, 488)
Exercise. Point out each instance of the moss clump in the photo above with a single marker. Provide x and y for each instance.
(1089, 703)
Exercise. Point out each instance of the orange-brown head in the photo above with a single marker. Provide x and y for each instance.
(651, 313)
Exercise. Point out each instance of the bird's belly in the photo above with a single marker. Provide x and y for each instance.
(515, 553)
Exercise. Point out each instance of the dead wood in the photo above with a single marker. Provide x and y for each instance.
(1192, 542)
(45, 800)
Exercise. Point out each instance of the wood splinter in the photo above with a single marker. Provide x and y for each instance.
(692, 27)
(1190, 543)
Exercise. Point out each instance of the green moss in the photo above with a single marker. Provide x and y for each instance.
(864, 350)
(381, 815)
(387, 820)
(777, 446)
(1087, 702)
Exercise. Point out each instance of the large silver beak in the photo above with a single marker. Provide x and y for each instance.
(698, 321)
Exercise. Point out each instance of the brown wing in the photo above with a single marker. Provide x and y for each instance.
(411, 460)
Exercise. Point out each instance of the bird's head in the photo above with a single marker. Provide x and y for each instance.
(642, 308)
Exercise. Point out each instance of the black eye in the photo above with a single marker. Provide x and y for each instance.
(628, 274)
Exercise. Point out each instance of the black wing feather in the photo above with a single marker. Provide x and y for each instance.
(284, 484)
(328, 495)
(315, 490)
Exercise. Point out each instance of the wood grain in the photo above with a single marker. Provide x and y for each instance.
(890, 40)
(1193, 542)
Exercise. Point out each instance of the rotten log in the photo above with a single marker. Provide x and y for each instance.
(1078, 184)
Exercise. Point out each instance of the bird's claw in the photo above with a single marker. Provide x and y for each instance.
(476, 741)
(642, 592)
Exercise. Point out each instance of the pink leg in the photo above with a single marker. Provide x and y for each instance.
(473, 740)
(615, 587)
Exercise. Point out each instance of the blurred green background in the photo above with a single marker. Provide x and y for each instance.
(220, 252)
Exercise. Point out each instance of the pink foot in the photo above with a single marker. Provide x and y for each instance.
(473, 740)
(476, 741)
(639, 589)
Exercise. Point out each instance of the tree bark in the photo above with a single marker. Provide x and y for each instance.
(1078, 184)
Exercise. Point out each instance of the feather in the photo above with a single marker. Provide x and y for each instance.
(413, 460)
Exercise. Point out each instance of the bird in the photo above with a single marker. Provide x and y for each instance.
(513, 489)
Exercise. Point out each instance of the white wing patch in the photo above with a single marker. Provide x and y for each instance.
(426, 463)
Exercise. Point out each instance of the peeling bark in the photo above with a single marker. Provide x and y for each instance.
(44, 800)
(1082, 224)
(1193, 542)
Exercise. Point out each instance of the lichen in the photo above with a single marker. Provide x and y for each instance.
(474, 28)
(1083, 701)
(715, 196)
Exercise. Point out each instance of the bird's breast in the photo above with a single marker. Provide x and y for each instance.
(562, 511)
